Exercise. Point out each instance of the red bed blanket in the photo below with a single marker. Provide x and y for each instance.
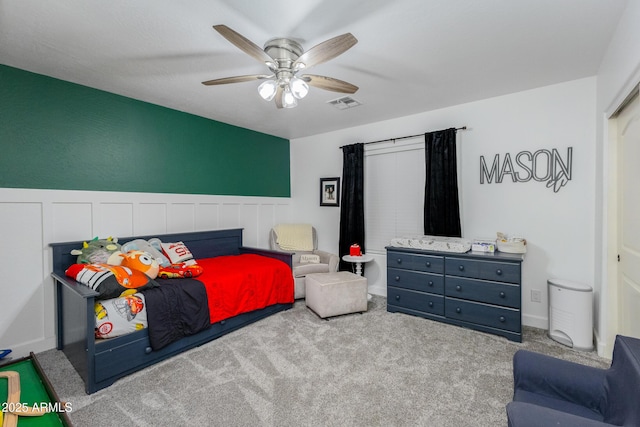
(230, 285)
(238, 284)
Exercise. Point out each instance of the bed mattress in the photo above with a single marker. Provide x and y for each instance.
(433, 243)
(230, 285)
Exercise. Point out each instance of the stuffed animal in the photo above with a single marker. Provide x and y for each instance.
(152, 247)
(110, 281)
(98, 251)
(174, 260)
(141, 261)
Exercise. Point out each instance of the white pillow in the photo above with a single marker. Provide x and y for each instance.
(309, 259)
(120, 316)
(176, 252)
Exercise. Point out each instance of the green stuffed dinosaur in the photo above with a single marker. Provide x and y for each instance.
(98, 251)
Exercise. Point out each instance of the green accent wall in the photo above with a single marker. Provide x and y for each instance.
(59, 135)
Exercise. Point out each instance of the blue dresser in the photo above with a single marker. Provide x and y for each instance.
(475, 290)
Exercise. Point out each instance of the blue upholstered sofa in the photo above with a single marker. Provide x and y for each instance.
(554, 392)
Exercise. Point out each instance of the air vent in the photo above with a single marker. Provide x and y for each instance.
(344, 103)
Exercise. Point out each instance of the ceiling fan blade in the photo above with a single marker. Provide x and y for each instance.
(236, 79)
(278, 97)
(244, 44)
(329, 83)
(326, 50)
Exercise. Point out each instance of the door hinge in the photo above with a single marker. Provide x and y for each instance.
(618, 257)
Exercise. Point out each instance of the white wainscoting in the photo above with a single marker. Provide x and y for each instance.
(32, 219)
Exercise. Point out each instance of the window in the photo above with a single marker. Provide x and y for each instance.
(394, 191)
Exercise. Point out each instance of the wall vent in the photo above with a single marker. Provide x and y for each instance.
(344, 103)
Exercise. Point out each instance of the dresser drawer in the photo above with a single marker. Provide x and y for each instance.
(418, 281)
(418, 301)
(483, 291)
(426, 263)
(483, 314)
(488, 270)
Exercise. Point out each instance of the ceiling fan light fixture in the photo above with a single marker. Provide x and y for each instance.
(288, 100)
(268, 89)
(299, 88)
(285, 57)
(271, 65)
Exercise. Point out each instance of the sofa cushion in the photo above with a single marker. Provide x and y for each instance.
(557, 404)
(559, 379)
(622, 407)
(301, 270)
(521, 414)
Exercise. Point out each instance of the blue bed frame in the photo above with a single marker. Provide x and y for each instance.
(101, 362)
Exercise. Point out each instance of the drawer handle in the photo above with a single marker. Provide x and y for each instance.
(458, 288)
(502, 295)
(428, 264)
(458, 310)
(502, 319)
(397, 278)
(430, 303)
(499, 272)
(461, 267)
(431, 283)
(148, 350)
(397, 297)
(399, 260)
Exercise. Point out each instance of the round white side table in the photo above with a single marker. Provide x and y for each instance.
(358, 260)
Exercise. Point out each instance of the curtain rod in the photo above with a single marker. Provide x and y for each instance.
(402, 137)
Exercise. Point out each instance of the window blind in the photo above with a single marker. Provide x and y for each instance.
(394, 191)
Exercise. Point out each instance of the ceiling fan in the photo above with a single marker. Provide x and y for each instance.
(285, 58)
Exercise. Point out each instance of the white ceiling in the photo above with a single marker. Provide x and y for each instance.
(412, 55)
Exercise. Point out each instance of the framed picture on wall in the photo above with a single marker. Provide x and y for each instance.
(329, 191)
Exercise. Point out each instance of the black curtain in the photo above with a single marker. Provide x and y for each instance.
(441, 205)
(352, 202)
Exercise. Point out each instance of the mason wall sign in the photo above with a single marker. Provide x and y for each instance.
(542, 166)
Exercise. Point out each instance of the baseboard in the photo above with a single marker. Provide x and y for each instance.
(378, 290)
(603, 349)
(535, 321)
(23, 350)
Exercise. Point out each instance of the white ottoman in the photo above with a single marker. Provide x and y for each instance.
(333, 294)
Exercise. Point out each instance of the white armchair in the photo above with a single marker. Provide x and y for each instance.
(302, 263)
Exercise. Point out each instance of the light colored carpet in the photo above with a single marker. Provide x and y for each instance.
(294, 369)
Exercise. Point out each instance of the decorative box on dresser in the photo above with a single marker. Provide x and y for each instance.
(476, 290)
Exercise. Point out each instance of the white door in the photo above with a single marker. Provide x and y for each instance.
(628, 125)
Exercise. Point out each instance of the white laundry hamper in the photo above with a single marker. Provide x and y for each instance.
(571, 314)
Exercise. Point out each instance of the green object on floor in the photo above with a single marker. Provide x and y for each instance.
(32, 392)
